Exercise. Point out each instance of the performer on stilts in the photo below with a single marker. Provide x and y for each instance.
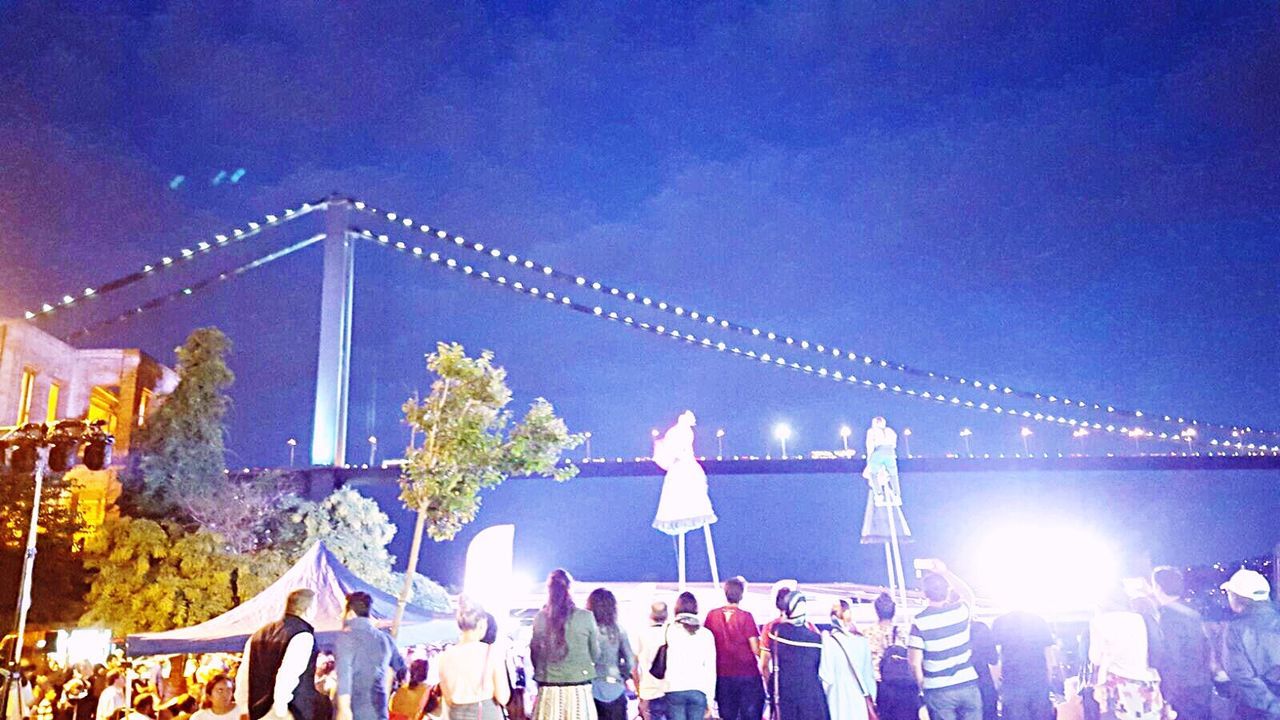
(684, 504)
(883, 521)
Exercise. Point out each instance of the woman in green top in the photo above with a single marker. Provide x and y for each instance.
(565, 645)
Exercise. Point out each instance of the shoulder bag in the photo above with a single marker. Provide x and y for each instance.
(658, 668)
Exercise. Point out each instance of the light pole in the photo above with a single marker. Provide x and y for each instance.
(293, 447)
(720, 443)
(965, 434)
(34, 449)
(587, 436)
(845, 432)
(373, 449)
(906, 440)
(1136, 434)
(1189, 435)
(782, 432)
(1026, 447)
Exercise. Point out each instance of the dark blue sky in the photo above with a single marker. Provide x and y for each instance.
(1079, 201)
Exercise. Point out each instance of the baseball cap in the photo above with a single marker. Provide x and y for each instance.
(1248, 584)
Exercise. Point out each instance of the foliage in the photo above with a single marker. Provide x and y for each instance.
(192, 541)
(181, 446)
(249, 513)
(155, 575)
(471, 443)
(59, 571)
(357, 532)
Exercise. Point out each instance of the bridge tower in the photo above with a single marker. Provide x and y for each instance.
(333, 370)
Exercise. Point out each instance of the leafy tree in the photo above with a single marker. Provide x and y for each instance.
(181, 448)
(472, 444)
(59, 572)
(356, 530)
(249, 513)
(155, 575)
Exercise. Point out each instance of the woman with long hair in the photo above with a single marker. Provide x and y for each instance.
(564, 647)
(691, 662)
(473, 678)
(615, 661)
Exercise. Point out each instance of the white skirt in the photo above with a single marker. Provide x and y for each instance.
(685, 504)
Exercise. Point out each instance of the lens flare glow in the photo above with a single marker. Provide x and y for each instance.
(1049, 568)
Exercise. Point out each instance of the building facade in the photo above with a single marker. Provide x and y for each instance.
(44, 380)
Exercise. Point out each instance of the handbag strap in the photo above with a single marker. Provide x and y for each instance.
(852, 669)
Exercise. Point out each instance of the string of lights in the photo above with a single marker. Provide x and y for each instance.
(189, 290)
(1188, 425)
(708, 343)
(181, 257)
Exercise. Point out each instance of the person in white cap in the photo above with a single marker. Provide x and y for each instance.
(1253, 646)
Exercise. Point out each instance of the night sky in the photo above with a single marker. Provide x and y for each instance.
(1079, 201)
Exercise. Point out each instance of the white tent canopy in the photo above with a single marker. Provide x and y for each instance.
(317, 570)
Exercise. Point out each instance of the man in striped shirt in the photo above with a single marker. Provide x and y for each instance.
(938, 648)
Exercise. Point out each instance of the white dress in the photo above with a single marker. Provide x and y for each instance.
(684, 504)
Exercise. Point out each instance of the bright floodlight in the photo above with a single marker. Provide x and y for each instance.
(782, 432)
(845, 431)
(720, 433)
(1047, 568)
(906, 431)
(1026, 432)
(966, 432)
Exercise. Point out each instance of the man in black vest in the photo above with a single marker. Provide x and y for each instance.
(277, 673)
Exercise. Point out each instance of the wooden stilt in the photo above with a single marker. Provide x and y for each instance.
(711, 555)
(680, 557)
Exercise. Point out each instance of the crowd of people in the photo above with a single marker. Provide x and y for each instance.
(1144, 655)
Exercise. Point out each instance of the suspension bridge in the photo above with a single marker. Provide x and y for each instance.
(1195, 461)
(348, 221)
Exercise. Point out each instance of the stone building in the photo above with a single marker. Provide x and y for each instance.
(43, 380)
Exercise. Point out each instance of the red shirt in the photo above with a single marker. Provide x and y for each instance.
(733, 629)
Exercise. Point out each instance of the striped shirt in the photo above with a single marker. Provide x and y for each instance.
(942, 633)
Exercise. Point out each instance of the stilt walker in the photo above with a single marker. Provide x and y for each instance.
(883, 521)
(684, 504)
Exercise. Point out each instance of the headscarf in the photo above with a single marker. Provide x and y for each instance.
(691, 621)
(797, 613)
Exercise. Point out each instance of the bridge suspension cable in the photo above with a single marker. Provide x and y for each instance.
(708, 343)
(165, 299)
(1062, 401)
(183, 256)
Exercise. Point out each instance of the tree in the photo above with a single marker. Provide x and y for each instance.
(357, 532)
(181, 446)
(155, 575)
(471, 444)
(59, 571)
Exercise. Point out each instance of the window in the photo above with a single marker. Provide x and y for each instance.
(144, 404)
(102, 406)
(25, 392)
(51, 411)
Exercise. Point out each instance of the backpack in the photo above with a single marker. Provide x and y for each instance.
(894, 666)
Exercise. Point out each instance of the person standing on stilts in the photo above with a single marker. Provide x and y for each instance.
(883, 521)
(684, 504)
